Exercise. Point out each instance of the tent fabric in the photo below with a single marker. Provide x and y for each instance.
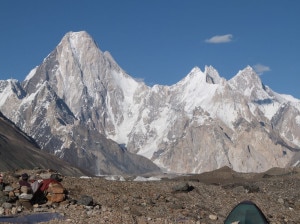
(246, 212)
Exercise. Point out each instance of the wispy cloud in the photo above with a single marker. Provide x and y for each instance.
(260, 69)
(219, 39)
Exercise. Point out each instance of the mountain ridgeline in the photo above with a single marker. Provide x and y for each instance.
(82, 107)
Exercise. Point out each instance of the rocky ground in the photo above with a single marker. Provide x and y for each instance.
(203, 198)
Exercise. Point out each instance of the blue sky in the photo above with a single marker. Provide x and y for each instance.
(160, 41)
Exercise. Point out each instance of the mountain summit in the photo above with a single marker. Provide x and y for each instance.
(81, 106)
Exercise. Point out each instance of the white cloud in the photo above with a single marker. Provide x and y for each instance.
(218, 39)
(260, 69)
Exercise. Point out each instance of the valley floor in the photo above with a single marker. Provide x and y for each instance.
(204, 198)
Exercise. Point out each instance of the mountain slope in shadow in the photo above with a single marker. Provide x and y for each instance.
(19, 151)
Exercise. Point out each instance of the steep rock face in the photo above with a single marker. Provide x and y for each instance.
(286, 121)
(66, 100)
(79, 98)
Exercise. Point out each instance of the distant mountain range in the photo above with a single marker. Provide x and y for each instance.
(82, 107)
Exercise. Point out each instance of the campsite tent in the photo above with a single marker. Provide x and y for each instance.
(246, 212)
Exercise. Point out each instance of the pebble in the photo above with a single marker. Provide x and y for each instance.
(14, 210)
(89, 212)
(126, 208)
(8, 189)
(85, 200)
(40, 210)
(1, 211)
(213, 217)
(239, 189)
(6, 205)
(280, 200)
(184, 187)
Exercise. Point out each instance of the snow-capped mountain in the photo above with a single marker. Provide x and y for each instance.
(81, 106)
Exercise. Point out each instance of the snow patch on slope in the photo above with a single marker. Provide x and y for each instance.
(195, 91)
(160, 129)
(290, 98)
(129, 107)
(31, 74)
(297, 118)
(5, 91)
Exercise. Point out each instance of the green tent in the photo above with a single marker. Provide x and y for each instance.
(246, 212)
